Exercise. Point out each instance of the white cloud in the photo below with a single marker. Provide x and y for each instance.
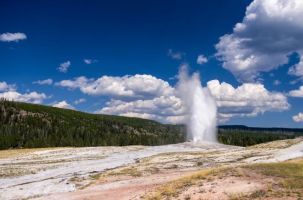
(175, 55)
(297, 93)
(32, 97)
(8, 91)
(78, 101)
(63, 104)
(44, 82)
(12, 37)
(63, 67)
(89, 61)
(202, 59)
(79, 82)
(166, 109)
(163, 104)
(270, 31)
(298, 117)
(246, 100)
(297, 69)
(6, 87)
(136, 86)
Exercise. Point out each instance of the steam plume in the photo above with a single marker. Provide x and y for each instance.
(200, 107)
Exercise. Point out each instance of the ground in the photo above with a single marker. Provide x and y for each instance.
(182, 171)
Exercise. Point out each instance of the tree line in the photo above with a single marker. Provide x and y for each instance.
(28, 125)
(24, 125)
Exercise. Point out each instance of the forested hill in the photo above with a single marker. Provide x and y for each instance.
(31, 125)
(262, 129)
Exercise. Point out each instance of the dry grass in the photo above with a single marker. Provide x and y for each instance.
(293, 168)
(103, 176)
(129, 171)
(20, 152)
(13, 171)
(282, 180)
(96, 176)
(174, 188)
(289, 174)
(279, 144)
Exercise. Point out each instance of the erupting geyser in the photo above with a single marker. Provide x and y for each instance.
(200, 107)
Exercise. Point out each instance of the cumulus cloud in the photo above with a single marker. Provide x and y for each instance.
(78, 101)
(8, 91)
(79, 82)
(12, 37)
(63, 104)
(149, 97)
(32, 97)
(136, 86)
(298, 117)
(63, 67)
(246, 100)
(175, 55)
(297, 93)
(164, 108)
(202, 59)
(44, 82)
(297, 69)
(270, 31)
(6, 87)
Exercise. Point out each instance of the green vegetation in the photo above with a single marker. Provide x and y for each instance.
(24, 125)
(248, 137)
(29, 125)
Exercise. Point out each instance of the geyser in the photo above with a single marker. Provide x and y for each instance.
(201, 109)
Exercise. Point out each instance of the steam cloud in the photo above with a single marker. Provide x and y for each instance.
(201, 109)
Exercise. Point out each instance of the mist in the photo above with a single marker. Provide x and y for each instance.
(200, 106)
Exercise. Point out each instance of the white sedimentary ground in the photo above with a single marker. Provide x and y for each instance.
(46, 172)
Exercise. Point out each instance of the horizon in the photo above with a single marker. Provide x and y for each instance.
(122, 58)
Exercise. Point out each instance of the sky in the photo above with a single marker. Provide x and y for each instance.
(122, 57)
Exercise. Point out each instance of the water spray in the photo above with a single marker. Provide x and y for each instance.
(201, 109)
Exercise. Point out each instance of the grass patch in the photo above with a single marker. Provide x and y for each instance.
(283, 180)
(284, 169)
(289, 175)
(15, 171)
(131, 171)
(257, 194)
(96, 176)
(174, 188)
(277, 144)
(20, 152)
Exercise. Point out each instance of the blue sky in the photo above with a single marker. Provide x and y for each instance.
(153, 38)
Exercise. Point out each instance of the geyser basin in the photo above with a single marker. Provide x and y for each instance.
(201, 109)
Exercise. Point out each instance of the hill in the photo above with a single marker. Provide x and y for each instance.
(246, 136)
(262, 129)
(30, 125)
